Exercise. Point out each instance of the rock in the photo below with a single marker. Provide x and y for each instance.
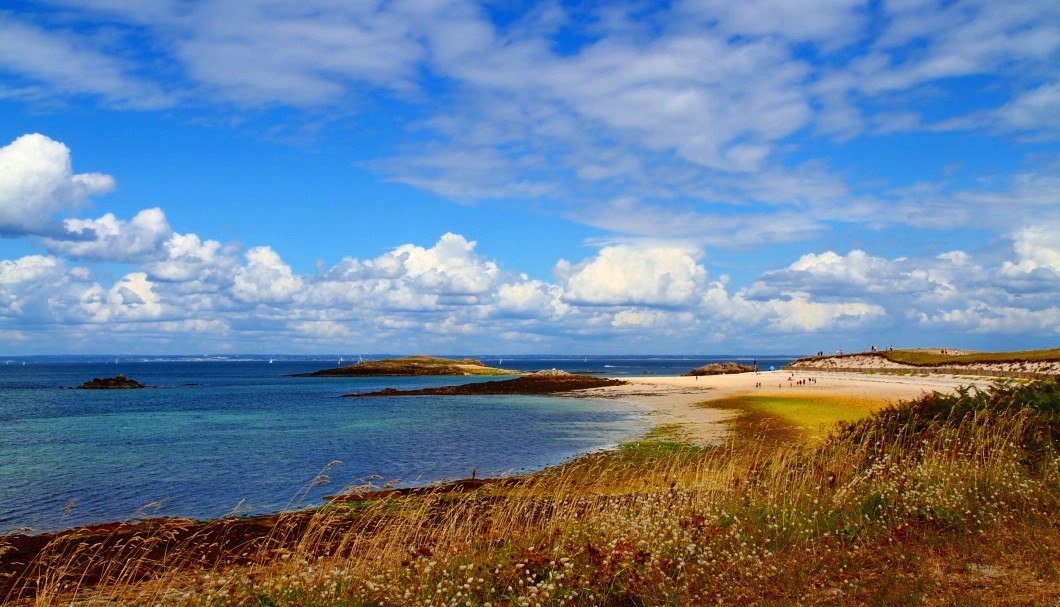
(118, 382)
(551, 382)
(720, 369)
(550, 373)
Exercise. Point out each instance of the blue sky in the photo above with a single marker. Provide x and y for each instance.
(700, 176)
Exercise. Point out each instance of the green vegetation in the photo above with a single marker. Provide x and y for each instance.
(950, 500)
(936, 357)
(797, 416)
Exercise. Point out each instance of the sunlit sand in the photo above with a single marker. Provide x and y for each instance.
(674, 400)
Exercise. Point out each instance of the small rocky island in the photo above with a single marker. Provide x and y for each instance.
(543, 382)
(411, 366)
(118, 382)
(720, 369)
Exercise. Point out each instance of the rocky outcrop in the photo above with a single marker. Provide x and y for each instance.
(720, 369)
(118, 382)
(542, 382)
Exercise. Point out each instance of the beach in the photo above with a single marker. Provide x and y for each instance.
(684, 402)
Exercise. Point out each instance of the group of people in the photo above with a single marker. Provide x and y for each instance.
(792, 382)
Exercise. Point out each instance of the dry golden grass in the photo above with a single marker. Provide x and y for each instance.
(950, 502)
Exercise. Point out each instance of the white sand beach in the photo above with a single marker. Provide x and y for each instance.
(674, 399)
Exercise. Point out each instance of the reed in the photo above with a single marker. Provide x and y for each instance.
(952, 499)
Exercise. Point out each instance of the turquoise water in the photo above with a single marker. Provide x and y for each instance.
(249, 439)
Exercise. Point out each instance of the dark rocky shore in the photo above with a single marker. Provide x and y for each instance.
(542, 382)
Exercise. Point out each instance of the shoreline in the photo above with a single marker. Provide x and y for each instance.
(677, 400)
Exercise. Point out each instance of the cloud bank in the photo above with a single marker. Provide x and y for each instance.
(185, 291)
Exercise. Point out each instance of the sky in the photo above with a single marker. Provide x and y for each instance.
(450, 176)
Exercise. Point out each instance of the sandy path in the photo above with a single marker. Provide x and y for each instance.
(672, 399)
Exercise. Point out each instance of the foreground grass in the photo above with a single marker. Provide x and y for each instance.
(951, 500)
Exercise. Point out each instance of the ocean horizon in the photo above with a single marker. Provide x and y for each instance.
(235, 434)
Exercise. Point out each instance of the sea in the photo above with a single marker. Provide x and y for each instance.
(238, 435)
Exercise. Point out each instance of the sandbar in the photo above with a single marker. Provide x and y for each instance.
(673, 401)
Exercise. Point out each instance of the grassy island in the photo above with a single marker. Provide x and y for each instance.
(412, 366)
(947, 500)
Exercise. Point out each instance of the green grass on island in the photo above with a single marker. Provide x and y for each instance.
(953, 499)
(935, 356)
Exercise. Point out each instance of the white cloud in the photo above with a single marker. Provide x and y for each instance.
(412, 277)
(306, 54)
(830, 23)
(63, 63)
(32, 268)
(448, 268)
(111, 239)
(265, 279)
(1038, 247)
(188, 258)
(132, 298)
(624, 275)
(959, 39)
(531, 298)
(1035, 110)
(982, 317)
(26, 284)
(854, 275)
(656, 298)
(37, 182)
(800, 313)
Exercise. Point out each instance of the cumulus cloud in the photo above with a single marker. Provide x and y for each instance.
(984, 317)
(1038, 247)
(37, 183)
(27, 284)
(531, 298)
(625, 275)
(265, 279)
(187, 258)
(657, 298)
(132, 298)
(111, 239)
